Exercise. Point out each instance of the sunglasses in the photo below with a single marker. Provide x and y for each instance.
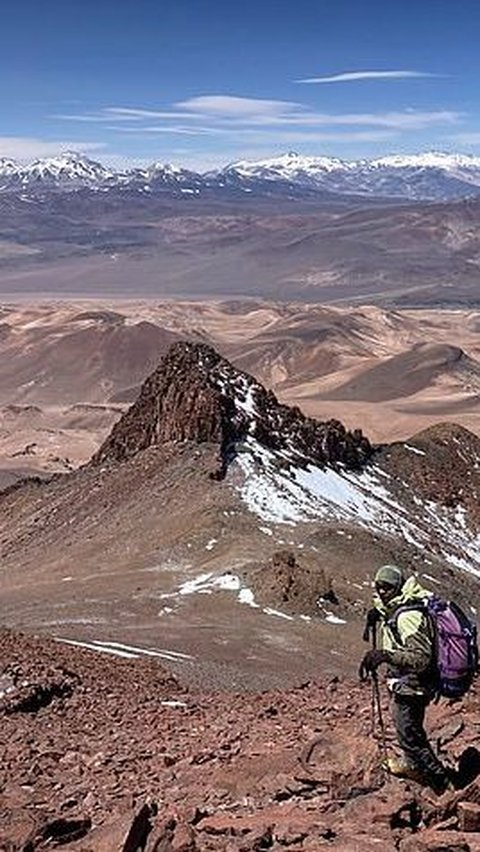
(384, 588)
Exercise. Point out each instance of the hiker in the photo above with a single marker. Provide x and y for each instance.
(407, 647)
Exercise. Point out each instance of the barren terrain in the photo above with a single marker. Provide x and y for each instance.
(204, 578)
(109, 755)
(69, 369)
(341, 250)
(251, 563)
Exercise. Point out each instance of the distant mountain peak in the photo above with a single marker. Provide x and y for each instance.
(286, 166)
(7, 166)
(168, 168)
(68, 166)
(429, 159)
(430, 176)
(196, 395)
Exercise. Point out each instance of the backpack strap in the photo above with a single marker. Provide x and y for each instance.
(419, 606)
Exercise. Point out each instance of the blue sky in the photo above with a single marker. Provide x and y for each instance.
(202, 82)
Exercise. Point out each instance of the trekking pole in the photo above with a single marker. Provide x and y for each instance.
(376, 698)
(377, 702)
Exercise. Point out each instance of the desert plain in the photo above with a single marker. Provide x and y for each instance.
(68, 369)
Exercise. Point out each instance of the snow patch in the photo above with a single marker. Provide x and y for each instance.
(278, 491)
(334, 619)
(91, 646)
(432, 579)
(246, 596)
(414, 450)
(269, 611)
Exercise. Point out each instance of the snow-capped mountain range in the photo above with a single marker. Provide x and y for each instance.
(433, 176)
(70, 169)
(430, 176)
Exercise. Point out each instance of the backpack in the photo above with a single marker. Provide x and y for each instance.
(455, 661)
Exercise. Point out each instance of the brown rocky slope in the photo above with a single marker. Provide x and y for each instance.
(173, 529)
(102, 755)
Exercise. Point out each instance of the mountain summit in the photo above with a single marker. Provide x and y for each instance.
(70, 170)
(291, 469)
(196, 395)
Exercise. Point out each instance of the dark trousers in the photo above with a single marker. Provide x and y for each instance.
(408, 715)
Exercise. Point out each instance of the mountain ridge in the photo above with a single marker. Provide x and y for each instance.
(196, 395)
(285, 468)
(429, 176)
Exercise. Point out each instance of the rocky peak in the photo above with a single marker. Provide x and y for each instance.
(440, 464)
(7, 167)
(196, 395)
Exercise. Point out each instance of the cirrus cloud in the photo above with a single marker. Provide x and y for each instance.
(353, 76)
(225, 110)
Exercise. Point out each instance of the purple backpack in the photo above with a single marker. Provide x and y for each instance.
(455, 642)
(456, 647)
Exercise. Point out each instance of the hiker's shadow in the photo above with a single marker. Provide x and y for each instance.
(468, 767)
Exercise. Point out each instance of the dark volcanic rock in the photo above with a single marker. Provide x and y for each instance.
(196, 395)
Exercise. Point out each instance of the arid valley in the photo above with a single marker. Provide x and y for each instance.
(70, 368)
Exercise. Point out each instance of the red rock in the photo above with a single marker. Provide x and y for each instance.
(441, 841)
(261, 837)
(106, 838)
(182, 400)
(468, 816)
(393, 806)
(183, 839)
(17, 828)
(115, 738)
(160, 838)
(356, 843)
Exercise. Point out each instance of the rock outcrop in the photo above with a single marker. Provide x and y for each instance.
(441, 464)
(196, 395)
(295, 584)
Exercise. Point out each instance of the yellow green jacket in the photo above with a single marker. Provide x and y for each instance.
(409, 640)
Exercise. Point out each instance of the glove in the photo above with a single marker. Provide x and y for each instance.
(372, 618)
(371, 661)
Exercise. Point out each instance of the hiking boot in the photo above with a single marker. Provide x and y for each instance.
(442, 785)
(400, 768)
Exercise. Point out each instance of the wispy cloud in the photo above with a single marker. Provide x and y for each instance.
(407, 120)
(263, 136)
(223, 111)
(352, 76)
(292, 137)
(122, 114)
(264, 121)
(181, 131)
(237, 107)
(194, 109)
(28, 148)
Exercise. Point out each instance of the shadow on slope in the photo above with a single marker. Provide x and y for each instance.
(408, 373)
